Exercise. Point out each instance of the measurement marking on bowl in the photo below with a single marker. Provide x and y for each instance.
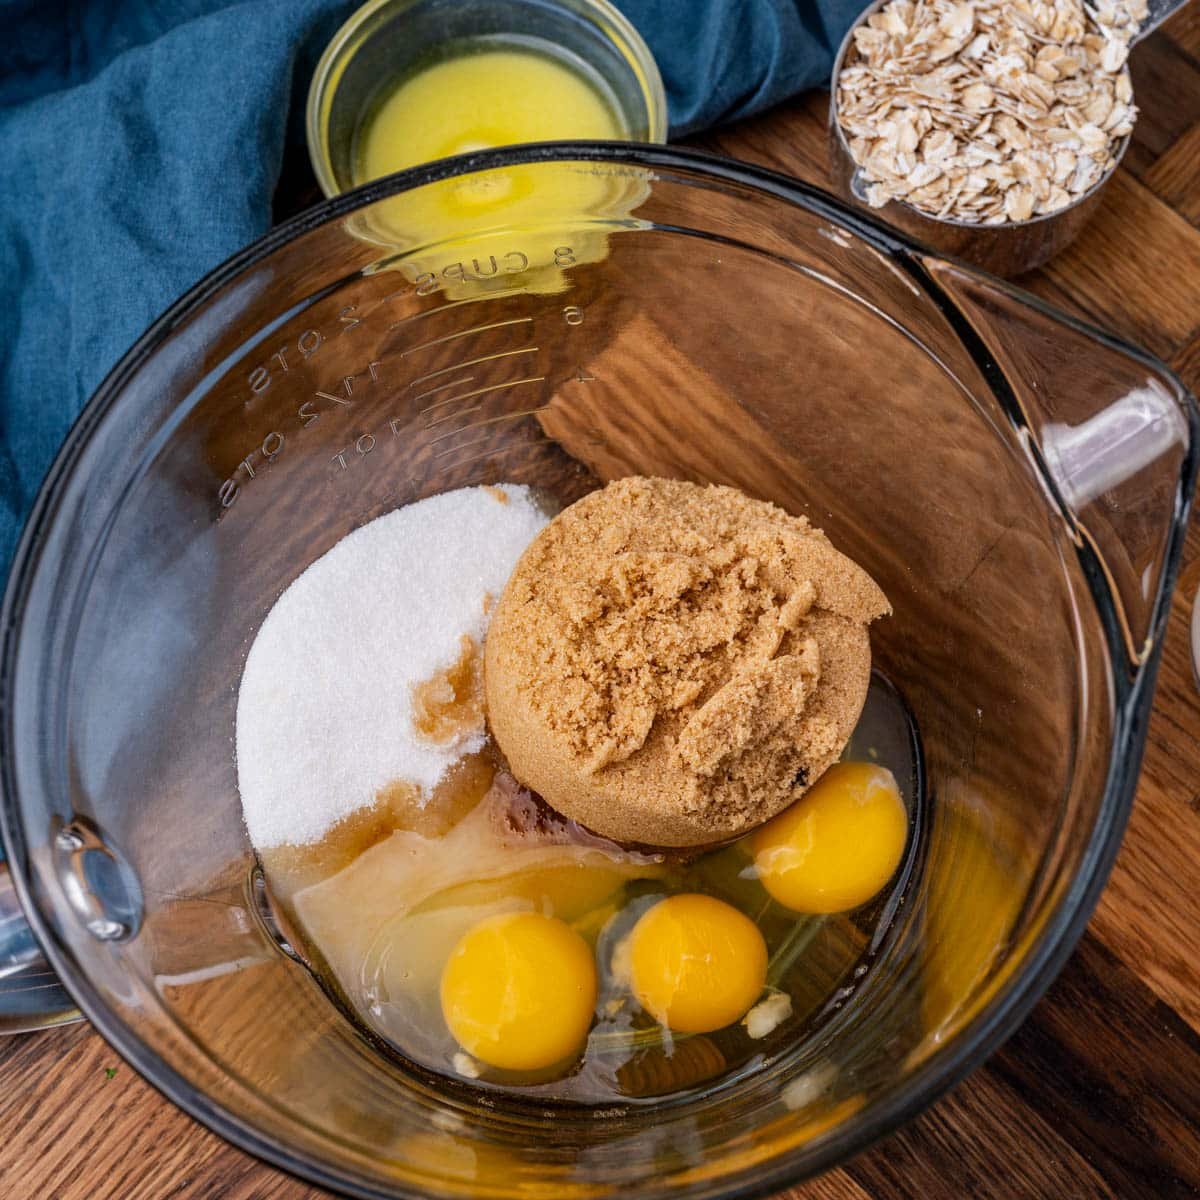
(493, 387)
(35, 987)
(441, 387)
(429, 312)
(514, 416)
(489, 452)
(471, 362)
(450, 337)
(450, 416)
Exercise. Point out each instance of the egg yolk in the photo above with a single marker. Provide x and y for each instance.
(838, 844)
(518, 991)
(695, 963)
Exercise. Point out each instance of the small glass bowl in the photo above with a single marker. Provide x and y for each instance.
(386, 40)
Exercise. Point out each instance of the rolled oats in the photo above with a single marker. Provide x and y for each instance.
(988, 111)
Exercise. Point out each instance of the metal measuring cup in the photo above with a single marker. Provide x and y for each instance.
(1005, 250)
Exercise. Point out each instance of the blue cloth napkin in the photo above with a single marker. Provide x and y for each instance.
(141, 142)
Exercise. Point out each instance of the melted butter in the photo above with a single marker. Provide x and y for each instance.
(510, 227)
(480, 99)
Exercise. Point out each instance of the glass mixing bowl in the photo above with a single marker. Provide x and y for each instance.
(558, 316)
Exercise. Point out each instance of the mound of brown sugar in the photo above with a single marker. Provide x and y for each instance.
(673, 664)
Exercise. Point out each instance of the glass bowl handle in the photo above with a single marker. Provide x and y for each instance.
(31, 996)
(1111, 430)
(1102, 452)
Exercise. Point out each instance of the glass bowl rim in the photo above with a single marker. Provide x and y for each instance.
(987, 1030)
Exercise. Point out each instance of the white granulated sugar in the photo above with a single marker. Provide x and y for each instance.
(324, 712)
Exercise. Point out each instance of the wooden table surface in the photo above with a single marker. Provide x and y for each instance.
(1098, 1095)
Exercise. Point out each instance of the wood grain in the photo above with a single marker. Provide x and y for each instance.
(1098, 1095)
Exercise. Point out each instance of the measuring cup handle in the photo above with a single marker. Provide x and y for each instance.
(31, 996)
